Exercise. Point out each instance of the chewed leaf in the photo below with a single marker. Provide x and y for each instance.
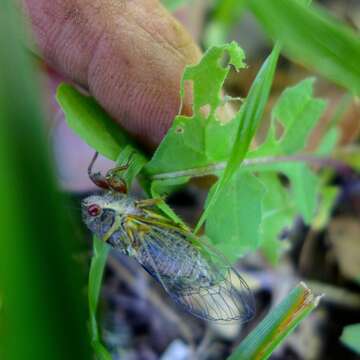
(200, 138)
(209, 74)
(249, 117)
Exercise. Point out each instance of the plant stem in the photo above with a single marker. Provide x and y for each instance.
(252, 164)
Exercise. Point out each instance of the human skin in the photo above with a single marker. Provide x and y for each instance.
(129, 55)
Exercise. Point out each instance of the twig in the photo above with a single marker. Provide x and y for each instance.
(204, 345)
(260, 161)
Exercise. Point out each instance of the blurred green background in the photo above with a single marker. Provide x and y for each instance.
(43, 305)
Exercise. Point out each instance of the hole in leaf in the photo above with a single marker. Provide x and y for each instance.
(225, 113)
(279, 130)
(205, 111)
(224, 60)
(285, 181)
(188, 99)
(179, 130)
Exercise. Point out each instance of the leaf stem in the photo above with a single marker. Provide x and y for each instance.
(253, 164)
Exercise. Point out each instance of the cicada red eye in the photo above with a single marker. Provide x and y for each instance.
(94, 210)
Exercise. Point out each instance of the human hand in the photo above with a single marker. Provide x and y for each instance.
(129, 55)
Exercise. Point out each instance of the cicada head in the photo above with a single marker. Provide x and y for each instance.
(99, 211)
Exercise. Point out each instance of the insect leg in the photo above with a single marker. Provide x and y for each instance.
(98, 179)
(145, 203)
(116, 182)
(114, 178)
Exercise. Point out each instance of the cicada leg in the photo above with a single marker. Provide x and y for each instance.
(145, 203)
(112, 180)
(98, 179)
(115, 180)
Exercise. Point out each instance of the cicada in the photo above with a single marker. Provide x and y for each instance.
(193, 273)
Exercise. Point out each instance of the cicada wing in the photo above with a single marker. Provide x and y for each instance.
(228, 297)
(194, 274)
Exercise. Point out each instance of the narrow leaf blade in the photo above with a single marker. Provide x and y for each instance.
(351, 337)
(250, 116)
(277, 325)
(313, 37)
(97, 266)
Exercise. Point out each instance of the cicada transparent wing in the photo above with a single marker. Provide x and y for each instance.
(194, 274)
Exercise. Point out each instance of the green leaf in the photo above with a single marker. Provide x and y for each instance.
(298, 112)
(278, 213)
(98, 262)
(328, 142)
(305, 186)
(351, 337)
(329, 195)
(198, 140)
(233, 224)
(91, 123)
(249, 117)
(277, 325)
(313, 37)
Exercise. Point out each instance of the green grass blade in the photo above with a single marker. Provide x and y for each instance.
(98, 262)
(277, 325)
(43, 313)
(313, 37)
(351, 337)
(250, 116)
